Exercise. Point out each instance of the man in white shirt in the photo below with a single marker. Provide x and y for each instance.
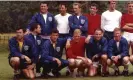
(62, 21)
(110, 20)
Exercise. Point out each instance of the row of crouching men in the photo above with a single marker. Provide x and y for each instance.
(85, 56)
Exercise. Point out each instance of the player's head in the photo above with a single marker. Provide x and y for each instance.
(77, 35)
(93, 8)
(43, 7)
(130, 7)
(54, 35)
(98, 34)
(112, 4)
(62, 8)
(20, 33)
(117, 34)
(77, 8)
(36, 28)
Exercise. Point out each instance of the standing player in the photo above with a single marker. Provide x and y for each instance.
(62, 21)
(77, 20)
(118, 52)
(127, 26)
(97, 52)
(110, 20)
(94, 19)
(45, 19)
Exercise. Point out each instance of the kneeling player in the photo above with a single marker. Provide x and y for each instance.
(22, 55)
(76, 54)
(51, 56)
(118, 52)
(96, 50)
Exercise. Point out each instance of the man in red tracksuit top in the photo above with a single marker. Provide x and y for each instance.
(94, 19)
(127, 26)
(76, 54)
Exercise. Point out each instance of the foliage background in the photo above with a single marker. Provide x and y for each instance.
(15, 14)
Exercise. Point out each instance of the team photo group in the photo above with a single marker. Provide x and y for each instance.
(84, 44)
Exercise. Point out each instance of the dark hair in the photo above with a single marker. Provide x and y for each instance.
(62, 4)
(34, 26)
(99, 29)
(111, 1)
(79, 5)
(18, 28)
(129, 2)
(94, 4)
(44, 3)
(55, 31)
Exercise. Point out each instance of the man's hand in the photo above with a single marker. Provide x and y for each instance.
(115, 58)
(27, 32)
(31, 66)
(58, 61)
(95, 56)
(27, 59)
(87, 39)
(68, 44)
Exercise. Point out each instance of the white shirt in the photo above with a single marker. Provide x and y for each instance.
(45, 17)
(62, 23)
(117, 44)
(78, 17)
(35, 37)
(110, 20)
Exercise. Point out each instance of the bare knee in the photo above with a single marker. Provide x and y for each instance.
(15, 60)
(104, 57)
(126, 59)
(109, 62)
(71, 62)
(131, 58)
(89, 62)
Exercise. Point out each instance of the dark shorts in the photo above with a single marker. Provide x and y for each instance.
(23, 64)
(64, 35)
(108, 35)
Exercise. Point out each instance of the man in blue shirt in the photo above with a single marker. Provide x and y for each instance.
(77, 20)
(37, 40)
(22, 55)
(45, 19)
(118, 52)
(96, 50)
(47, 23)
(51, 54)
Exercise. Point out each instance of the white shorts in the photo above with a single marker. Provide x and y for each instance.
(128, 36)
(77, 61)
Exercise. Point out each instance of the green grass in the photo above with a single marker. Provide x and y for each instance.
(6, 72)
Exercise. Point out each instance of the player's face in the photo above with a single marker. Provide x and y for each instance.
(112, 5)
(54, 37)
(38, 30)
(76, 37)
(98, 35)
(19, 34)
(93, 9)
(76, 9)
(62, 9)
(117, 35)
(130, 7)
(43, 8)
